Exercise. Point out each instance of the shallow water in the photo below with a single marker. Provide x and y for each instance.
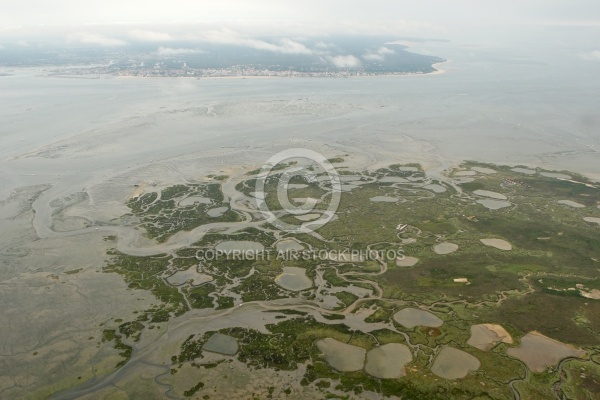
(222, 344)
(293, 278)
(388, 361)
(486, 336)
(190, 275)
(452, 363)
(445, 248)
(571, 203)
(487, 193)
(384, 199)
(239, 245)
(493, 204)
(341, 356)
(539, 352)
(411, 317)
(500, 244)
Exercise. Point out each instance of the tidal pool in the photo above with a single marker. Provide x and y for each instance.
(570, 203)
(445, 248)
(484, 170)
(485, 336)
(497, 243)
(293, 278)
(190, 275)
(341, 356)
(222, 344)
(388, 361)
(288, 245)
(493, 204)
(488, 193)
(411, 317)
(525, 171)
(539, 352)
(555, 175)
(452, 363)
(384, 199)
(406, 261)
(307, 217)
(217, 212)
(435, 188)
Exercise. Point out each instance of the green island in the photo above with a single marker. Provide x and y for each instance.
(480, 283)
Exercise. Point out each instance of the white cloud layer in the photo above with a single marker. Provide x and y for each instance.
(94, 38)
(592, 55)
(169, 51)
(378, 55)
(344, 61)
(150, 36)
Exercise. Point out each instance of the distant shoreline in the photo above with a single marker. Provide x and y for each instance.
(87, 73)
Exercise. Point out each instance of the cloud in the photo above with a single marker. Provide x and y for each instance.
(150, 36)
(228, 36)
(94, 38)
(378, 55)
(168, 51)
(344, 61)
(592, 55)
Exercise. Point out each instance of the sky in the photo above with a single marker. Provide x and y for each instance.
(118, 22)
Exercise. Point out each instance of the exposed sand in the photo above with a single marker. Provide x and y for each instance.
(406, 261)
(293, 278)
(539, 352)
(486, 336)
(593, 220)
(342, 357)
(571, 203)
(593, 294)
(411, 317)
(497, 243)
(490, 194)
(452, 363)
(222, 344)
(137, 192)
(445, 248)
(388, 361)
